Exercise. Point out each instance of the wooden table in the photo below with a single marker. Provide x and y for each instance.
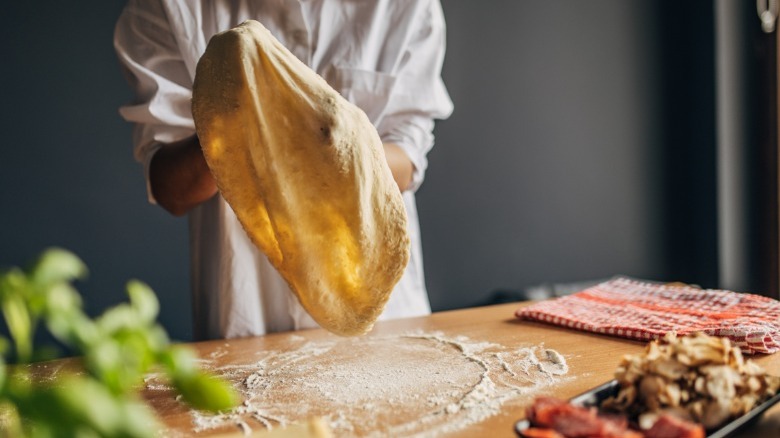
(591, 359)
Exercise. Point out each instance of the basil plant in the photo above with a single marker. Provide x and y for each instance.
(114, 352)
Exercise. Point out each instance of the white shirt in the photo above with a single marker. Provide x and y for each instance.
(384, 56)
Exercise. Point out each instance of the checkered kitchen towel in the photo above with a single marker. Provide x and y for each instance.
(641, 310)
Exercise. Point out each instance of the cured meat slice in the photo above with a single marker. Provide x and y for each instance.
(669, 426)
(567, 420)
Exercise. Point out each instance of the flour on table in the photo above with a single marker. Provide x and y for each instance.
(416, 384)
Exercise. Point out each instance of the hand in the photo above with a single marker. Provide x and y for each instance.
(179, 176)
(400, 165)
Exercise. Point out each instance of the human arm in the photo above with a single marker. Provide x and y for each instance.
(180, 178)
(161, 80)
(400, 165)
(419, 95)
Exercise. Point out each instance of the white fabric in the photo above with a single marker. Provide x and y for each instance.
(385, 56)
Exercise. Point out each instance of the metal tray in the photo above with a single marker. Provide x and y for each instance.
(595, 396)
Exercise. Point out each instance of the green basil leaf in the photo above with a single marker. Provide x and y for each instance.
(206, 392)
(143, 300)
(20, 325)
(179, 361)
(56, 265)
(121, 317)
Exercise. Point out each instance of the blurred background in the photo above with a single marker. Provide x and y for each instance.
(589, 139)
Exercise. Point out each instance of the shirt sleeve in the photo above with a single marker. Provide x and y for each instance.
(419, 95)
(150, 58)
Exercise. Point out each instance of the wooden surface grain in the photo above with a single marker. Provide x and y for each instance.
(591, 358)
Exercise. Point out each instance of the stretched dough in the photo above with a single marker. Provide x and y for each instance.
(305, 172)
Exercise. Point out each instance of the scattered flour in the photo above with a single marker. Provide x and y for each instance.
(417, 384)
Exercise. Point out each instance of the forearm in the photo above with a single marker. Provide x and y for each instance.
(400, 165)
(180, 178)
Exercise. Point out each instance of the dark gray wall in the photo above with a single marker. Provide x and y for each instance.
(544, 172)
(577, 128)
(67, 174)
(553, 168)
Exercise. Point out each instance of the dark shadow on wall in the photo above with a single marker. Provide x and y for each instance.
(688, 172)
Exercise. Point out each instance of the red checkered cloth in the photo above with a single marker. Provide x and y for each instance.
(641, 310)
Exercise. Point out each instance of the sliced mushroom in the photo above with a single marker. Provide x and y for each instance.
(698, 377)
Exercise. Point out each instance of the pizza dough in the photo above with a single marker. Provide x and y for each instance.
(305, 172)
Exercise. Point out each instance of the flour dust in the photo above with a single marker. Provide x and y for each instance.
(416, 384)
